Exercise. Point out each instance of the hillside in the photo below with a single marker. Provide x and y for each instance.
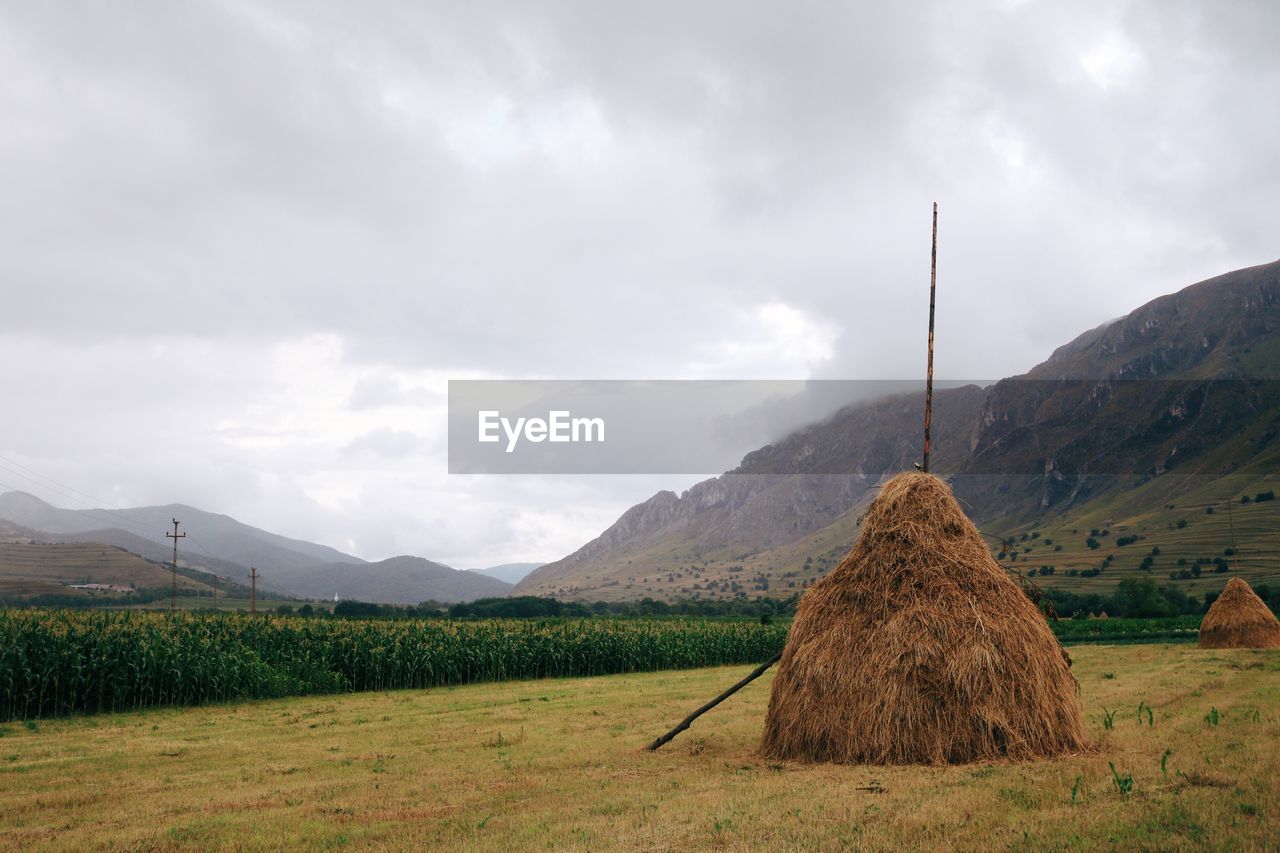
(223, 546)
(398, 580)
(1148, 412)
(213, 534)
(29, 569)
(511, 573)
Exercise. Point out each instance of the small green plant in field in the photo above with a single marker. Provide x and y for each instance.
(1108, 719)
(31, 725)
(1212, 717)
(1108, 675)
(1144, 708)
(1076, 789)
(1124, 784)
(1164, 761)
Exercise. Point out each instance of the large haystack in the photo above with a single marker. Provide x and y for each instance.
(1239, 620)
(919, 649)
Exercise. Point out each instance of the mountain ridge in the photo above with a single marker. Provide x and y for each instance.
(1224, 327)
(224, 546)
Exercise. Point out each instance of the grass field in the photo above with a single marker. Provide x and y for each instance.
(559, 763)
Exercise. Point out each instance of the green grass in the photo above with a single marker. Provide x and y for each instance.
(559, 764)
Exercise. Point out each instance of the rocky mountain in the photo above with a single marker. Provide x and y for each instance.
(1178, 391)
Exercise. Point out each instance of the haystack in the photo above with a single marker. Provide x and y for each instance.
(1239, 620)
(919, 649)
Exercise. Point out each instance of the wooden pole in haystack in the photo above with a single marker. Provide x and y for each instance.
(928, 381)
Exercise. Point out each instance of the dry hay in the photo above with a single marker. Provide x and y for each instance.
(1239, 620)
(919, 649)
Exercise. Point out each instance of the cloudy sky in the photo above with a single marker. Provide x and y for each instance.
(246, 244)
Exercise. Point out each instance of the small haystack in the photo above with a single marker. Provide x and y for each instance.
(1239, 620)
(919, 649)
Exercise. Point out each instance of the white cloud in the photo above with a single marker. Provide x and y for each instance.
(246, 245)
(1112, 61)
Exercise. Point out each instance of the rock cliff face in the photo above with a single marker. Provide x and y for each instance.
(1180, 384)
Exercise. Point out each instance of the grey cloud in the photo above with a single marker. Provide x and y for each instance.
(575, 190)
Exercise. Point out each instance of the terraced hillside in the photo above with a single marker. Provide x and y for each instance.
(29, 569)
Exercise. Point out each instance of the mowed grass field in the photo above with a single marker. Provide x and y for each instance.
(560, 764)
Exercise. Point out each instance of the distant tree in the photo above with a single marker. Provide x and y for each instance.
(1139, 598)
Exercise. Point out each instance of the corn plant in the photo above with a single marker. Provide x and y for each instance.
(67, 662)
(1124, 784)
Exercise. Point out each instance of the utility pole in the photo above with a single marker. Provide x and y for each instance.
(173, 589)
(215, 592)
(928, 382)
(253, 590)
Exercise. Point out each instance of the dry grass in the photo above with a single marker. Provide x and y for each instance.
(919, 649)
(1239, 619)
(560, 764)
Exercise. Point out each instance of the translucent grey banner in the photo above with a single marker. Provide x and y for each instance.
(1051, 428)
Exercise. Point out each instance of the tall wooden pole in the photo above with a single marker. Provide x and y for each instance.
(173, 588)
(928, 382)
(253, 590)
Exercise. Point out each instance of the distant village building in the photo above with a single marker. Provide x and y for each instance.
(101, 587)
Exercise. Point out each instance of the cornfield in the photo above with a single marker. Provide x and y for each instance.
(54, 663)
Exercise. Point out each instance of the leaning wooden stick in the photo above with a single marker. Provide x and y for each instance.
(684, 724)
